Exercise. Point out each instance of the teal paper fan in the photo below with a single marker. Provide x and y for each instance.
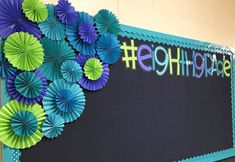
(64, 99)
(52, 28)
(71, 71)
(53, 126)
(55, 53)
(106, 22)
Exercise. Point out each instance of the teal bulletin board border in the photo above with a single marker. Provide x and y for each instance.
(156, 37)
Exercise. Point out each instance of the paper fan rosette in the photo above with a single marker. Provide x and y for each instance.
(93, 69)
(71, 71)
(21, 124)
(23, 51)
(66, 12)
(106, 22)
(64, 99)
(27, 87)
(35, 10)
(89, 84)
(108, 48)
(51, 27)
(55, 53)
(72, 32)
(53, 126)
(12, 19)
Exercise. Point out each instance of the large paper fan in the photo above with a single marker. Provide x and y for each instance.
(14, 117)
(27, 87)
(23, 51)
(12, 19)
(35, 10)
(66, 100)
(72, 32)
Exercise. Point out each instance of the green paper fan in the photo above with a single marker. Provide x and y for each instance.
(23, 51)
(35, 10)
(10, 134)
(93, 69)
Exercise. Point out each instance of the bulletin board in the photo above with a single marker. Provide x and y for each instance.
(77, 87)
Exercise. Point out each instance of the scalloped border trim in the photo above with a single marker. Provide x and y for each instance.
(152, 36)
(156, 37)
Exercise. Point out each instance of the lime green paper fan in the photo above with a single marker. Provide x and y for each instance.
(35, 10)
(23, 51)
(93, 69)
(17, 130)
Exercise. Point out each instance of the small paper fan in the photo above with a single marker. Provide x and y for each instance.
(27, 87)
(93, 69)
(14, 116)
(87, 32)
(6, 68)
(23, 51)
(93, 85)
(35, 10)
(13, 20)
(108, 48)
(106, 22)
(55, 53)
(72, 32)
(66, 100)
(53, 126)
(52, 28)
(66, 12)
(71, 71)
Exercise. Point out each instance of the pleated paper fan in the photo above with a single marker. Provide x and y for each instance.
(93, 85)
(53, 126)
(66, 100)
(108, 48)
(6, 68)
(12, 19)
(106, 22)
(35, 10)
(14, 116)
(55, 53)
(87, 32)
(93, 69)
(72, 32)
(71, 71)
(66, 12)
(27, 87)
(52, 28)
(23, 51)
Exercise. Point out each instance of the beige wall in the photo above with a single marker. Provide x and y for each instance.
(207, 20)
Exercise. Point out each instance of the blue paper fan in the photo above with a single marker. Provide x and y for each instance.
(52, 126)
(24, 123)
(72, 32)
(66, 100)
(106, 22)
(66, 12)
(71, 71)
(52, 28)
(55, 53)
(108, 48)
(6, 69)
(13, 20)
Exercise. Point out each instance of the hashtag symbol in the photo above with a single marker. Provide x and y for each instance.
(126, 58)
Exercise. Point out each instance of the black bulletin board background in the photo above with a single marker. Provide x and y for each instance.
(141, 117)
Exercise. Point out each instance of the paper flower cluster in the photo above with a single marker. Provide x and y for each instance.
(48, 55)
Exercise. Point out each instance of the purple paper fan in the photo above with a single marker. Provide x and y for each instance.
(65, 12)
(13, 20)
(11, 88)
(93, 85)
(87, 32)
